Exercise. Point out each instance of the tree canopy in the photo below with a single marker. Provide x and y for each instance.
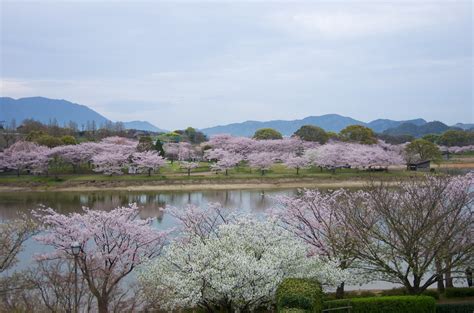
(421, 150)
(312, 133)
(358, 133)
(267, 133)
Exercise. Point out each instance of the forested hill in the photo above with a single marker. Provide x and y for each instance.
(329, 122)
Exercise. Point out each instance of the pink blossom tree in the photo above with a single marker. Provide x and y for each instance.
(262, 161)
(25, 155)
(413, 233)
(112, 245)
(188, 166)
(316, 217)
(171, 151)
(296, 162)
(227, 161)
(148, 161)
(110, 163)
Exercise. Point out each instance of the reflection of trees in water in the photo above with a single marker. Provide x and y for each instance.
(67, 202)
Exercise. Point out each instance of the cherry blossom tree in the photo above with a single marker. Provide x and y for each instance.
(226, 161)
(237, 268)
(188, 166)
(262, 161)
(112, 245)
(296, 162)
(25, 155)
(110, 163)
(402, 231)
(75, 155)
(317, 219)
(13, 235)
(171, 151)
(148, 161)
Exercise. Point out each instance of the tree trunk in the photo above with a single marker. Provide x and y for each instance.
(439, 278)
(263, 172)
(340, 291)
(449, 278)
(225, 172)
(189, 172)
(18, 173)
(149, 172)
(297, 171)
(103, 304)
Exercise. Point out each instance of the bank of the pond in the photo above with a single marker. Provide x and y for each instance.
(190, 184)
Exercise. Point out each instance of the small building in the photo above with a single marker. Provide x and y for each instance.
(445, 155)
(419, 166)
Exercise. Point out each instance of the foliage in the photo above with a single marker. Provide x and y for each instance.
(395, 304)
(456, 292)
(358, 134)
(455, 308)
(267, 133)
(159, 148)
(145, 143)
(456, 138)
(421, 150)
(68, 140)
(299, 293)
(402, 291)
(312, 133)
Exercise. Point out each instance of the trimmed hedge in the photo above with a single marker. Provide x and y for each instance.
(292, 310)
(403, 292)
(391, 304)
(459, 292)
(455, 308)
(299, 293)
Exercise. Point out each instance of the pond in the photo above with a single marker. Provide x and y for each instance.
(252, 201)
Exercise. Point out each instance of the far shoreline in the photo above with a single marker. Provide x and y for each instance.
(192, 186)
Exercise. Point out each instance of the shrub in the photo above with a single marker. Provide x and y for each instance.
(299, 294)
(333, 304)
(455, 308)
(403, 292)
(292, 310)
(394, 304)
(459, 292)
(431, 293)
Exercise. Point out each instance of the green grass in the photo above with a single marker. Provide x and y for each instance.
(174, 173)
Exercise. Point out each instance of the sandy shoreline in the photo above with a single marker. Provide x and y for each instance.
(349, 183)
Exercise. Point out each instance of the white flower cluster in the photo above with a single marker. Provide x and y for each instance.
(239, 267)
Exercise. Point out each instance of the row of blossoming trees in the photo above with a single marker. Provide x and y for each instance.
(114, 154)
(415, 234)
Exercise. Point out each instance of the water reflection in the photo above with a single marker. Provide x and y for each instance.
(255, 201)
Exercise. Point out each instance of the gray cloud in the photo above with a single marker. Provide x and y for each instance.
(202, 63)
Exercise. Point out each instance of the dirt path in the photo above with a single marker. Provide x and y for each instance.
(276, 184)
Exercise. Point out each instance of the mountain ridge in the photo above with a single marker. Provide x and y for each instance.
(45, 109)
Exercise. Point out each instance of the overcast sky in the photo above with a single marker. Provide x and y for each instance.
(203, 63)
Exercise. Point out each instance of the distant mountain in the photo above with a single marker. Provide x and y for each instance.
(143, 125)
(464, 126)
(329, 122)
(435, 127)
(46, 110)
(380, 125)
